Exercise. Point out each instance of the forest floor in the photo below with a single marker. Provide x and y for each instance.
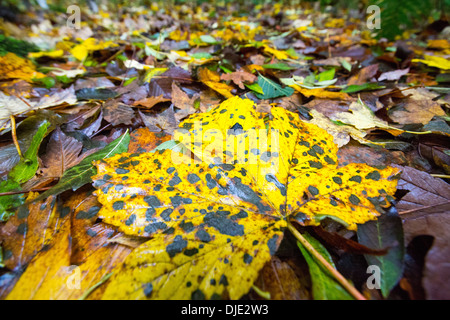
(84, 103)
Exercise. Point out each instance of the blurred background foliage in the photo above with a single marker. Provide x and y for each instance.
(397, 16)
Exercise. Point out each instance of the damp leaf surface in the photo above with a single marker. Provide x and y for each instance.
(217, 214)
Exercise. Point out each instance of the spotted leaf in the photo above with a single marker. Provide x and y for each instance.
(217, 213)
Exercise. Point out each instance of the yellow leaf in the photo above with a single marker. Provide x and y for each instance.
(75, 256)
(15, 67)
(435, 61)
(82, 50)
(178, 35)
(216, 216)
(280, 55)
(212, 80)
(438, 44)
(153, 72)
(321, 93)
(49, 54)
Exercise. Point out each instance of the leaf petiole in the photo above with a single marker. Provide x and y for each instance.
(95, 286)
(339, 277)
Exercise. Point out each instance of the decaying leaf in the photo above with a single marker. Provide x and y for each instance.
(215, 223)
(239, 77)
(62, 153)
(12, 105)
(341, 133)
(150, 102)
(418, 108)
(144, 140)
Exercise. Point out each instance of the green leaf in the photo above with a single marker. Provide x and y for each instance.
(291, 51)
(19, 47)
(8, 203)
(77, 176)
(208, 39)
(326, 75)
(201, 55)
(278, 66)
(347, 66)
(2, 265)
(129, 81)
(254, 87)
(271, 89)
(324, 286)
(386, 232)
(48, 82)
(361, 87)
(28, 164)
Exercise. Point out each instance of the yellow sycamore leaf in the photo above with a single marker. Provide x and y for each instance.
(216, 216)
(153, 72)
(212, 80)
(178, 35)
(335, 23)
(82, 50)
(14, 67)
(435, 61)
(438, 44)
(50, 54)
(280, 55)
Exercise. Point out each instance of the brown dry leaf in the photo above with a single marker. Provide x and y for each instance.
(29, 231)
(117, 113)
(162, 84)
(436, 154)
(150, 102)
(165, 121)
(258, 59)
(417, 108)
(62, 153)
(424, 211)
(393, 75)
(354, 152)
(76, 259)
(239, 77)
(18, 87)
(209, 99)
(86, 235)
(91, 250)
(427, 195)
(364, 75)
(41, 277)
(181, 100)
(66, 97)
(328, 107)
(280, 280)
(436, 268)
(290, 103)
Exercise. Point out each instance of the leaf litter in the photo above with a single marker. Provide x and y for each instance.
(100, 141)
